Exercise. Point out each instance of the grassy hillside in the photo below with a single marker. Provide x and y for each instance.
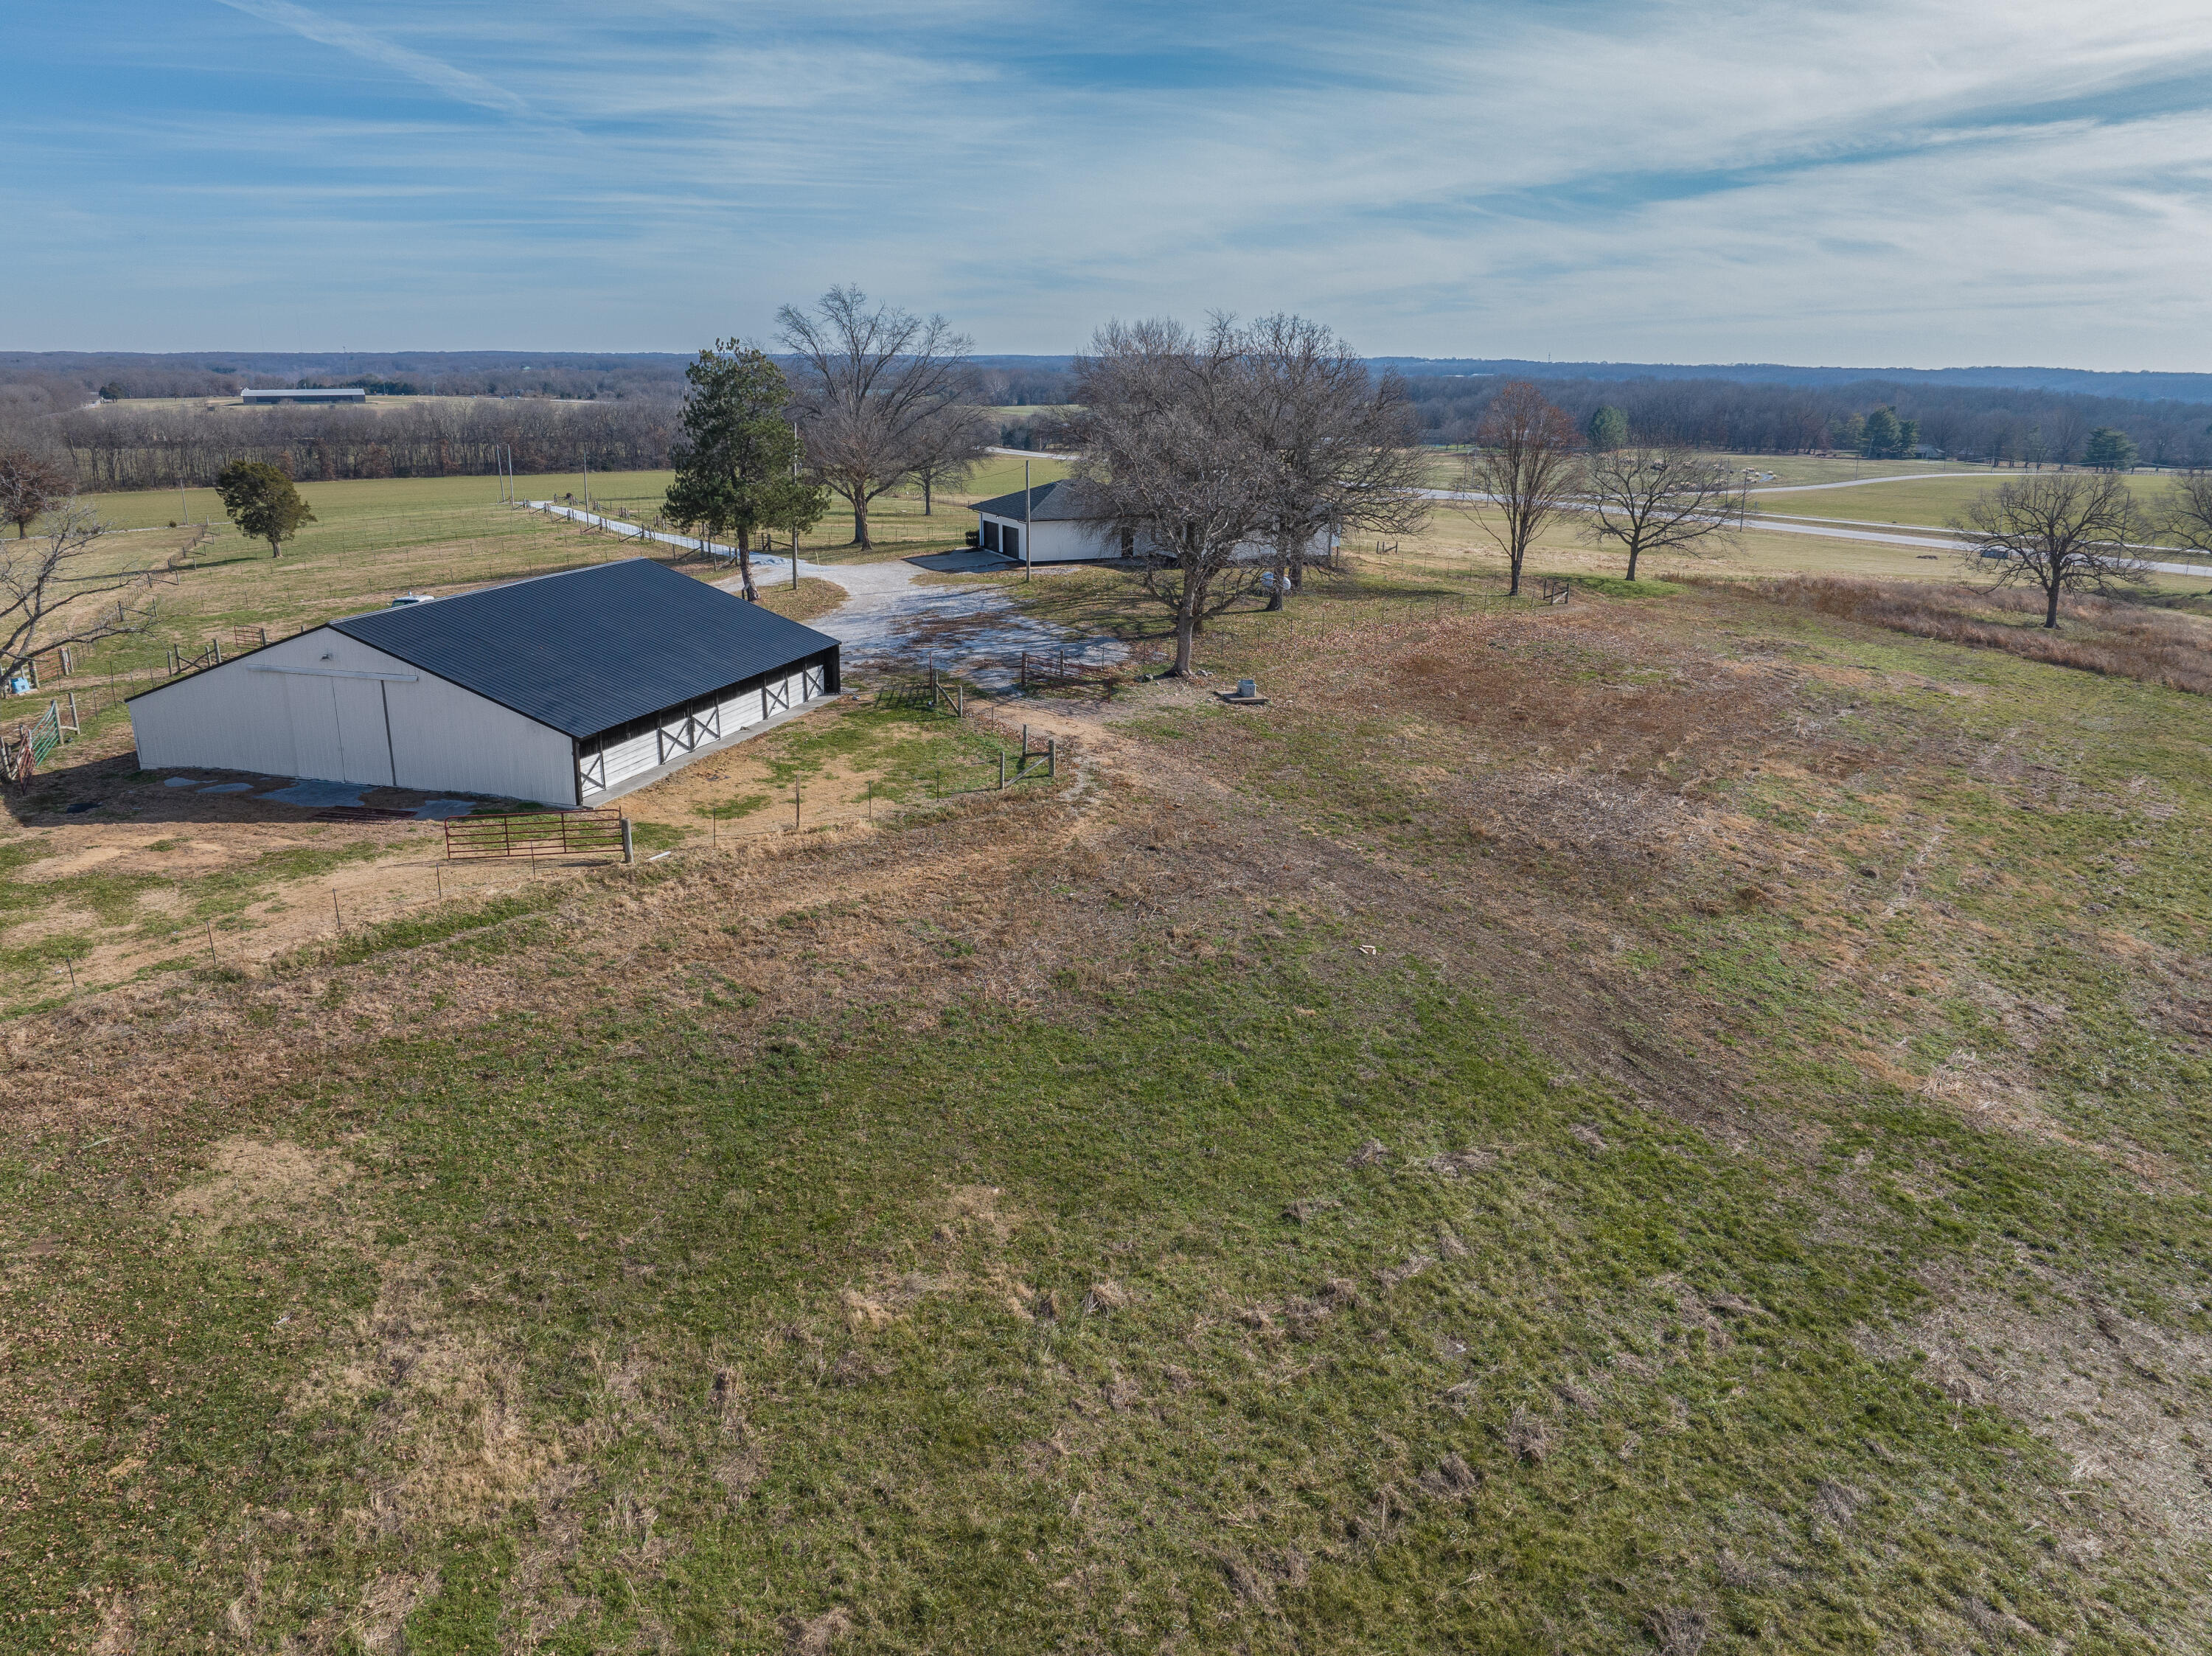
(1674, 1123)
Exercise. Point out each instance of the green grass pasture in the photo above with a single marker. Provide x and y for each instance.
(1669, 1123)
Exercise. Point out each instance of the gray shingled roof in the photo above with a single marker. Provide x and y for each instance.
(593, 648)
(1056, 502)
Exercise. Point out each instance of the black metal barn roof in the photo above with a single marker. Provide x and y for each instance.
(593, 648)
(1058, 501)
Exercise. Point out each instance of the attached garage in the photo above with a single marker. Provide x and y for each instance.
(1060, 526)
(567, 689)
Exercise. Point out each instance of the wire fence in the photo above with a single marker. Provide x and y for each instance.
(432, 900)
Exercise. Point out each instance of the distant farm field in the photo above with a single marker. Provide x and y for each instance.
(639, 492)
(1447, 467)
(1934, 501)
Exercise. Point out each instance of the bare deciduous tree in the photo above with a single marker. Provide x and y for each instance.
(1171, 459)
(2064, 532)
(947, 447)
(50, 596)
(1340, 441)
(1525, 463)
(2187, 520)
(874, 385)
(29, 485)
(1657, 499)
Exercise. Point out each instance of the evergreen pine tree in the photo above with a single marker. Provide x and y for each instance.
(738, 463)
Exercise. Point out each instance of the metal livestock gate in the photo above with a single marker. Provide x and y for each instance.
(534, 834)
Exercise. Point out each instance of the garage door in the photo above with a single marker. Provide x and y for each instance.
(339, 729)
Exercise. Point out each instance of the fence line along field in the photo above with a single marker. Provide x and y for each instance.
(125, 874)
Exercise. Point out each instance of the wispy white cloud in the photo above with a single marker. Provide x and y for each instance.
(457, 83)
(1902, 180)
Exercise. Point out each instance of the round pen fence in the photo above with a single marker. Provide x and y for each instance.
(535, 834)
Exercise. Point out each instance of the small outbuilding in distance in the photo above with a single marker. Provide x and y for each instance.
(263, 397)
(565, 689)
(1061, 530)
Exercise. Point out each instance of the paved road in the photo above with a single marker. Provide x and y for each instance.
(1931, 540)
(1855, 482)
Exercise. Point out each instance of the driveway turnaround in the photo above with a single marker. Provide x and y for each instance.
(888, 620)
(891, 622)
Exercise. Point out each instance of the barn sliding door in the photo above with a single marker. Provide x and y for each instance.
(339, 729)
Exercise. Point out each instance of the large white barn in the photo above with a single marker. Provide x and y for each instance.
(567, 689)
(1060, 530)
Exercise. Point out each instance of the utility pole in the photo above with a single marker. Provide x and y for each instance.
(794, 522)
(1028, 530)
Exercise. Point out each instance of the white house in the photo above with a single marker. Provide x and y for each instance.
(567, 689)
(1060, 530)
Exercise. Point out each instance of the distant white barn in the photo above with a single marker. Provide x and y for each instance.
(259, 397)
(568, 689)
(1060, 529)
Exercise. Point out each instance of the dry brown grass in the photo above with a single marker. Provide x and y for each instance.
(253, 1179)
(2119, 640)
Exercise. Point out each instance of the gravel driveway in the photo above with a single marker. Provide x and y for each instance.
(891, 621)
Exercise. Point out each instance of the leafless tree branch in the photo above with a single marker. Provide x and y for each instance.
(1664, 499)
(2064, 532)
(873, 387)
(49, 599)
(1173, 461)
(1340, 441)
(1524, 461)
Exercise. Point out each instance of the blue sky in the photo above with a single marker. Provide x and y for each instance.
(1920, 184)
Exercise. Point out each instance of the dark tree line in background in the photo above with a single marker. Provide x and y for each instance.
(58, 380)
(1886, 419)
(621, 412)
(153, 447)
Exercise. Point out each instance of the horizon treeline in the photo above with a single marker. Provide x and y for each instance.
(130, 444)
(1986, 424)
(120, 446)
(53, 382)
